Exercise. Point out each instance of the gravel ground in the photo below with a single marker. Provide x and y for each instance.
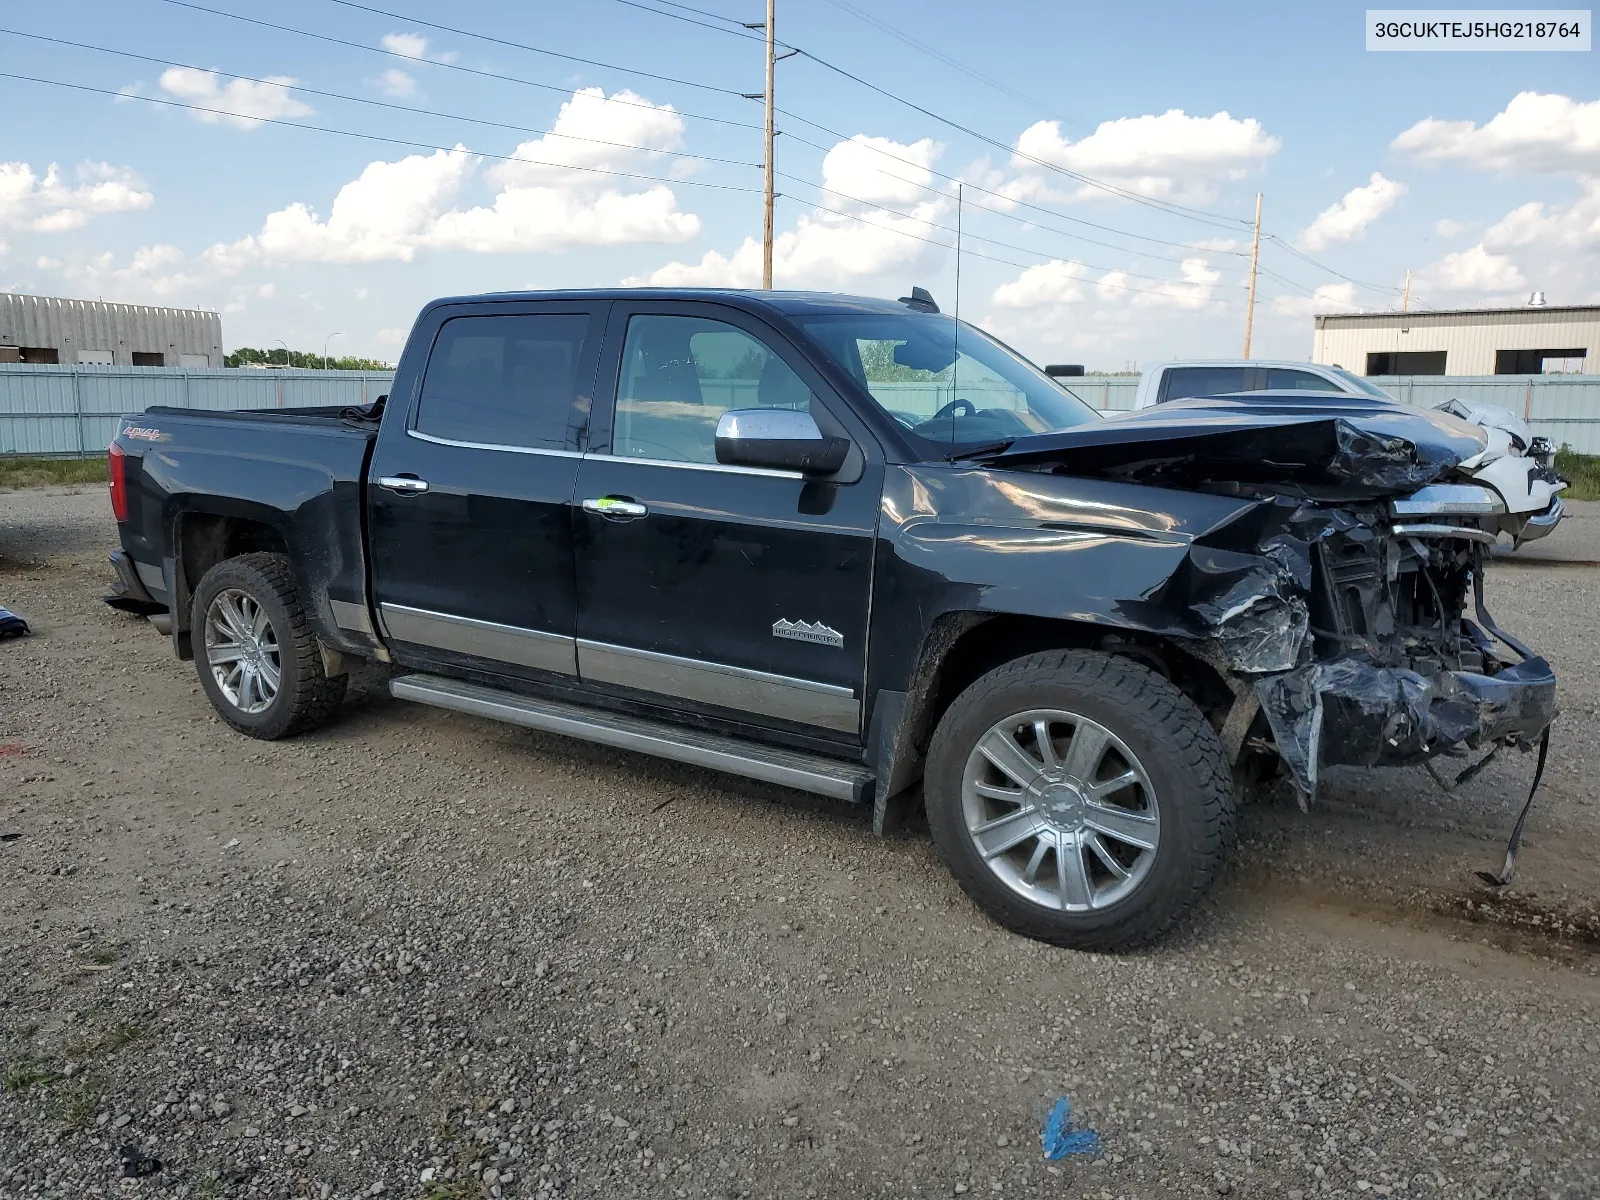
(423, 955)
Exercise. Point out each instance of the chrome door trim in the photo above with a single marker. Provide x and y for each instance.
(483, 639)
(694, 466)
(739, 688)
(439, 441)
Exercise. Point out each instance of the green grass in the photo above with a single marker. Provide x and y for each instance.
(74, 1105)
(109, 1042)
(42, 472)
(23, 1074)
(1582, 471)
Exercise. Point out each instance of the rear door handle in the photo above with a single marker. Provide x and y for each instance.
(615, 508)
(406, 485)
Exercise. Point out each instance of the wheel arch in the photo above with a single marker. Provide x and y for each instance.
(961, 646)
(203, 538)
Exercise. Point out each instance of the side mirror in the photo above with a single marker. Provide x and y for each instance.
(782, 439)
(1064, 370)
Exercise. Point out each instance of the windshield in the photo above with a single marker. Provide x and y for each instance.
(955, 390)
(1361, 385)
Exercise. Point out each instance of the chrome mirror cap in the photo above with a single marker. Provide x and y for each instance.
(783, 439)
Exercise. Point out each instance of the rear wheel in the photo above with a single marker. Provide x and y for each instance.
(258, 660)
(1080, 799)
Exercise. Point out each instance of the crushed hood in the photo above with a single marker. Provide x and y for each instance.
(1352, 445)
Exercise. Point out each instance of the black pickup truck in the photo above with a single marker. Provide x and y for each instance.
(847, 545)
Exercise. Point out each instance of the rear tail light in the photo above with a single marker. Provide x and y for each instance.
(117, 472)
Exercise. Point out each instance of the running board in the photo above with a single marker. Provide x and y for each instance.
(790, 768)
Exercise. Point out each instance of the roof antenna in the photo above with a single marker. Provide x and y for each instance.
(955, 363)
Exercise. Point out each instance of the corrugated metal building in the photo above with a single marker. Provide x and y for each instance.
(1532, 340)
(48, 330)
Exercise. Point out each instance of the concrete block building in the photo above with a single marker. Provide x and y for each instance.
(45, 329)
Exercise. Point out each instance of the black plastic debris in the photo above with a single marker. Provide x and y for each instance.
(12, 625)
(1354, 713)
(136, 1164)
(9, 835)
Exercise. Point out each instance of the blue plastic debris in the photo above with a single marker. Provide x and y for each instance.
(1060, 1140)
(12, 625)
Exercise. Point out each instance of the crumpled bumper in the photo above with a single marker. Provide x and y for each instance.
(1349, 712)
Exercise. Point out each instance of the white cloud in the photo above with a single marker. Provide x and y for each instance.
(1064, 306)
(383, 215)
(1171, 156)
(826, 249)
(594, 133)
(154, 273)
(1347, 219)
(1473, 270)
(1446, 228)
(875, 170)
(557, 193)
(409, 45)
(239, 102)
(1054, 282)
(47, 205)
(1329, 298)
(1538, 132)
(1573, 227)
(396, 84)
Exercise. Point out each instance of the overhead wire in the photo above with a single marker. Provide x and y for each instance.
(448, 66)
(1004, 261)
(375, 137)
(968, 234)
(373, 103)
(1216, 219)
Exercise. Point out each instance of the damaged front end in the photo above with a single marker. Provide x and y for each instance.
(1351, 624)
(1345, 608)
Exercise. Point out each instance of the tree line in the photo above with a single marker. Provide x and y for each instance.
(249, 356)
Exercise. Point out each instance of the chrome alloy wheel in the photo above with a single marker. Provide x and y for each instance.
(1060, 810)
(242, 651)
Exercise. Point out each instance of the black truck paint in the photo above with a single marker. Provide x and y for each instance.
(1194, 538)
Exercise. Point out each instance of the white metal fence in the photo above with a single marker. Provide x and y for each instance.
(71, 412)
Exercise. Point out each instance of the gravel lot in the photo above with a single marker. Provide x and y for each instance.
(423, 955)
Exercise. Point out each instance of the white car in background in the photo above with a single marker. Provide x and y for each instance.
(1515, 463)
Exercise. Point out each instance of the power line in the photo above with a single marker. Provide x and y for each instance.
(935, 53)
(737, 32)
(1003, 261)
(374, 137)
(1009, 200)
(367, 100)
(500, 41)
(1372, 287)
(1217, 219)
(548, 87)
(873, 204)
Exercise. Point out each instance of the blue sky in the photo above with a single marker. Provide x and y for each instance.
(1147, 128)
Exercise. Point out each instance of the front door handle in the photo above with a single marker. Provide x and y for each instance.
(406, 485)
(615, 508)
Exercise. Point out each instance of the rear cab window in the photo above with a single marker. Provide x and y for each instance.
(504, 380)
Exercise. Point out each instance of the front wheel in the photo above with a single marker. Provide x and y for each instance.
(258, 659)
(1080, 799)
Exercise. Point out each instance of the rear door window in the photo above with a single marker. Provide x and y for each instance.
(1182, 382)
(1281, 380)
(506, 380)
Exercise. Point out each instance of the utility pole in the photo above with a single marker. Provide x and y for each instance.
(1405, 301)
(766, 225)
(1255, 256)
